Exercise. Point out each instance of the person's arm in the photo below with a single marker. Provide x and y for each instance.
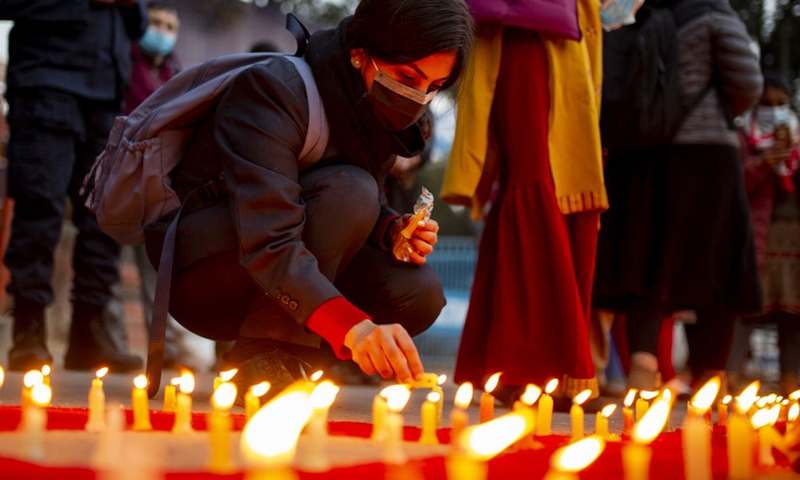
(134, 15)
(735, 62)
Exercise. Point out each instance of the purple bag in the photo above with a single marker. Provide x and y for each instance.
(558, 17)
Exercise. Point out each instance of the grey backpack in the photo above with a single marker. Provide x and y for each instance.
(129, 185)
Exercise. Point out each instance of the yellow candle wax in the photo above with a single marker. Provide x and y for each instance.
(601, 425)
(722, 410)
(429, 415)
(440, 403)
(220, 425)
(462, 467)
(379, 411)
(141, 404)
(394, 453)
(740, 447)
(545, 419)
(627, 412)
(97, 404)
(696, 442)
(641, 408)
(169, 398)
(636, 460)
(459, 418)
(576, 414)
(487, 399)
(183, 406)
(252, 398)
(35, 422)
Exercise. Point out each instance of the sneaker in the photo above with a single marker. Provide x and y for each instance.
(275, 366)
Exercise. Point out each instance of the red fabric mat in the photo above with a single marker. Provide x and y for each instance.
(666, 464)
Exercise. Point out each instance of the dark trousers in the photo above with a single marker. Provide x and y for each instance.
(54, 140)
(217, 298)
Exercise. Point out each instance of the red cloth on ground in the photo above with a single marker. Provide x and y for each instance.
(528, 314)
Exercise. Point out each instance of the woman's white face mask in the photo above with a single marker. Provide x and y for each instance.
(770, 117)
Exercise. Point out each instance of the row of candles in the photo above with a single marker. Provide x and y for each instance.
(750, 423)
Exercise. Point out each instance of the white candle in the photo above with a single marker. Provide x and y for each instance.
(183, 406)
(459, 418)
(741, 436)
(636, 455)
(313, 458)
(379, 411)
(576, 414)
(696, 435)
(440, 404)
(429, 417)
(487, 399)
(396, 398)
(220, 426)
(567, 461)
(97, 404)
(35, 421)
(252, 399)
(545, 419)
(141, 404)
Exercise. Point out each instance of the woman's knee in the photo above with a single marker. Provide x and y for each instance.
(426, 302)
(350, 190)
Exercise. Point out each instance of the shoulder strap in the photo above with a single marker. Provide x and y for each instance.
(318, 127)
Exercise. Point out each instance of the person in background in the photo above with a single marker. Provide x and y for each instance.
(528, 143)
(68, 73)
(770, 136)
(678, 234)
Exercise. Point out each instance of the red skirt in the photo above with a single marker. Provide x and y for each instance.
(529, 310)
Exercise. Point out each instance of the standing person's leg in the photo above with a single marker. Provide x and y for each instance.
(643, 324)
(41, 155)
(740, 348)
(95, 261)
(709, 342)
(789, 350)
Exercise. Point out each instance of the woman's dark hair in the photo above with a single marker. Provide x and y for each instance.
(777, 80)
(163, 5)
(403, 31)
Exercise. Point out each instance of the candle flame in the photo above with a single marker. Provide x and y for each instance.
(175, 381)
(316, 375)
(666, 395)
(33, 377)
(396, 397)
(324, 394)
(785, 402)
(187, 383)
(551, 386)
(648, 394)
(795, 395)
(2, 376)
(532, 393)
(629, 397)
(41, 394)
(442, 378)
(464, 395)
(102, 372)
(779, 399)
(771, 398)
(486, 440)
(746, 399)
(794, 412)
(260, 389)
(45, 370)
(227, 375)
(608, 410)
(726, 399)
(224, 396)
(761, 418)
(140, 381)
(270, 436)
(434, 397)
(491, 384)
(579, 455)
(705, 397)
(582, 397)
(651, 424)
(761, 402)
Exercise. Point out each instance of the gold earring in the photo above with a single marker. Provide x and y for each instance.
(357, 63)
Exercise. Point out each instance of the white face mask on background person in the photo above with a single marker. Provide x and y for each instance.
(617, 13)
(769, 118)
(157, 43)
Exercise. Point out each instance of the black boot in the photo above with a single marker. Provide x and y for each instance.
(91, 345)
(29, 351)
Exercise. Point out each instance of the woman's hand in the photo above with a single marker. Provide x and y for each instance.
(776, 155)
(385, 349)
(422, 240)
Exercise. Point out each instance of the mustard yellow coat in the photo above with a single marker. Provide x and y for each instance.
(574, 123)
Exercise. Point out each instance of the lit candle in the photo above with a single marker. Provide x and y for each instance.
(429, 414)
(643, 403)
(220, 425)
(601, 422)
(722, 410)
(29, 380)
(2, 376)
(108, 455)
(269, 439)
(225, 376)
(479, 443)
(97, 403)
(740, 435)
(487, 399)
(183, 405)
(141, 404)
(576, 414)
(566, 462)
(396, 398)
(695, 434)
(627, 413)
(313, 458)
(763, 421)
(379, 412)
(545, 418)
(35, 421)
(791, 418)
(252, 398)
(529, 397)
(428, 380)
(46, 374)
(636, 454)
(459, 418)
(440, 404)
(169, 395)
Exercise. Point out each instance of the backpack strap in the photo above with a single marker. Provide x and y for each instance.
(318, 128)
